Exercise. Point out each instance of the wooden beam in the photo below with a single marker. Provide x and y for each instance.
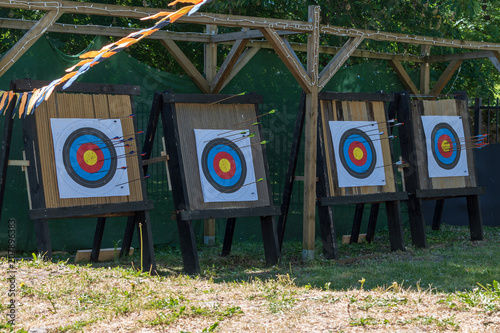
(28, 40)
(186, 65)
(99, 30)
(445, 77)
(99, 9)
(409, 39)
(228, 65)
(404, 77)
(338, 60)
(459, 56)
(495, 59)
(89, 8)
(242, 61)
(311, 137)
(289, 58)
(300, 47)
(248, 34)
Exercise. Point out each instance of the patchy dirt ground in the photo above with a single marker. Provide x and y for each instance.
(67, 298)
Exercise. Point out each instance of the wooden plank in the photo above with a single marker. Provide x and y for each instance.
(186, 65)
(106, 254)
(190, 215)
(403, 76)
(23, 45)
(210, 55)
(475, 221)
(270, 240)
(338, 60)
(209, 232)
(99, 232)
(431, 194)
(366, 97)
(5, 152)
(438, 214)
(495, 59)
(289, 58)
(219, 99)
(118, 209)
(79, 87)
(364, 198)
(228, 64)
(21, 163)
(245, 34)
(459, 56)
(356, 224)
(347, 239)
(445, 77)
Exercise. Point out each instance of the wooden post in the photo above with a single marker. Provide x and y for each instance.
(425, 71)
(311, 132)
(210, 74)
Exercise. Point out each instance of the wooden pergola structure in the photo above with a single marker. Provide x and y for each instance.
(258, 33)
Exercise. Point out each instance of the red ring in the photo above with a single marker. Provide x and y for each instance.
(445, 154)
(218, 171)
(81, 161)
(352, 146)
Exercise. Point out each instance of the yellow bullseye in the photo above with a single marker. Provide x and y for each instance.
(224, 165)
(445, 146)
(357, 153)
(90, 157)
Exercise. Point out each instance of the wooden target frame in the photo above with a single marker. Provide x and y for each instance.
(92, 102)
(347, 107)
(418, 183)
(184, 116)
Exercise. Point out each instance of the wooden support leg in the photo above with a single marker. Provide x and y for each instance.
(228, 237)
(372, 222)
(188, 247)
(146, 241)
(475, 220)
(270, 238)
(44, 244)
(438, 214)
(127, 237)
(99, 232)
(356, 224)
(395, 226)
(328, 235)
(5, 152)
(417, 223)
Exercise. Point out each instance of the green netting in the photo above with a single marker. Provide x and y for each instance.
(265, 74)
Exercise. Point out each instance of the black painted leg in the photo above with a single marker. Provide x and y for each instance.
(417, 223)
(188, 247)
(372, 222)
(356, 224)
(394, 225)
(44, 245)
(270, 239)
(438, 214)
(228, 236)
(146, 241)
(127, 237)
(99, 232)
(328, 235)
(475, 220)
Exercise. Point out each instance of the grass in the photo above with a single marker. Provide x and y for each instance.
(451, 286)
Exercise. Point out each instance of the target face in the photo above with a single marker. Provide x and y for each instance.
(90, 160)
(226, 165)
(358, 153)
(444, 136)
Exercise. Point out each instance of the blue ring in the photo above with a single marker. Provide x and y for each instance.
(369, 154)
(437, 135)
(76, 166)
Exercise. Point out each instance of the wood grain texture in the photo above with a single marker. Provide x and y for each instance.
(356, 111)
(223, 117)
(83, 106)
(445, 107)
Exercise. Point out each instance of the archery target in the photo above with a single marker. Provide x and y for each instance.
(358, 153)
(444, 136)
(90, 159)
(226, 165)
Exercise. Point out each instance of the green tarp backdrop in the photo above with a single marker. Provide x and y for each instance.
(265, 75)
